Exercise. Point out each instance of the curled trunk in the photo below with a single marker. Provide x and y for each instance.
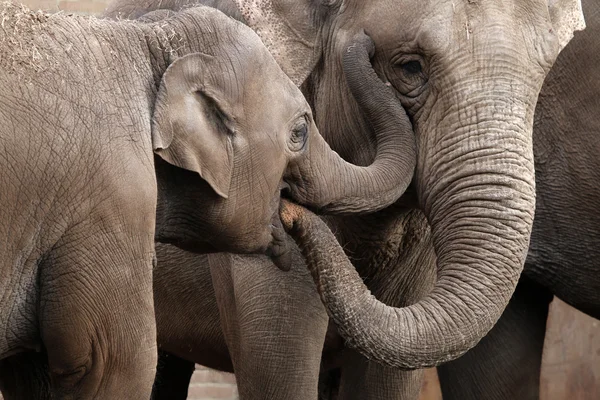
(327, 183)
(462, 308)
(475, 181)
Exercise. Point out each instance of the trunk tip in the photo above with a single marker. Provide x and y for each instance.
(290, 213)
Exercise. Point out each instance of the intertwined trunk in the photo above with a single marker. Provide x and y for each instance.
(475, 181)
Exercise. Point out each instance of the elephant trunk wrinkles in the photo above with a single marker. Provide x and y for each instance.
(478, 194)
(333, 186)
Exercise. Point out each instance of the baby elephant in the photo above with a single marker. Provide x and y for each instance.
(114, 134)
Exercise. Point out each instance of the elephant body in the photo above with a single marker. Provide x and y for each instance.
(67, 257)
(563, 253)
(118, 133)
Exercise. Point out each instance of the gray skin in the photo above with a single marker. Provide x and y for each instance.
(474, 59)
(117, 134)
(562, 258)
(565, 242)
(522, 325)
(562, 261)
(442, 163)
(469, 74)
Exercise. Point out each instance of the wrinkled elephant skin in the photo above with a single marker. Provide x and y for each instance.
(469, 74)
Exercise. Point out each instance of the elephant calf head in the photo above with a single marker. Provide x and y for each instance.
(230, 131)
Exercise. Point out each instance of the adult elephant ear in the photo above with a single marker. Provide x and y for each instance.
(289, 29)
(193, 120)
(567, 17)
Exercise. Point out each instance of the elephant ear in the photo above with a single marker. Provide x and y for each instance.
(289, 29)
(567, 17)
(193, 121)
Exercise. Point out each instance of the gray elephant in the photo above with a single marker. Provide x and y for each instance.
(117, 134)
(564, 253)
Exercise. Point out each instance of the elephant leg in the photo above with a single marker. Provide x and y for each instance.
(367, 380)
(25, 376)
(506, 364)
(274, 324)
(173, 375)
(97, 313)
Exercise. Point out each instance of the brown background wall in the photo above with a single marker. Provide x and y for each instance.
(571, 369)
(571, 362)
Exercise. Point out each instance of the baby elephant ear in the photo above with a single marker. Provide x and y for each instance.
(192, 125)
(567, 17)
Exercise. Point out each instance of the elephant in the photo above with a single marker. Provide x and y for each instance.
(119, 134)
(565, 243)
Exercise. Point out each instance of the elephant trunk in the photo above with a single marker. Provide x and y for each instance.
(476, 186)
(330, 185)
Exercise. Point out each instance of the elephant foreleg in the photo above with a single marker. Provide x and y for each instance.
(274, 324)
(506, 364)
(97, 316)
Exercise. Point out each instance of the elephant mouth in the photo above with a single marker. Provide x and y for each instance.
(278, 249)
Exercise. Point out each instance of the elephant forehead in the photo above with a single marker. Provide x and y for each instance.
(435, 24)
(271, 100)
(267, 87)
(427, 23)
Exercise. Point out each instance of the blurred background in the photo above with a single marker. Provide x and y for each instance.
(571, 366)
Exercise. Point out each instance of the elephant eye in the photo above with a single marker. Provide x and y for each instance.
(412, 67)
(410, 74)
(299, 136)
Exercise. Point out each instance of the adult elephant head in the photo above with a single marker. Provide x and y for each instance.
(469, 73)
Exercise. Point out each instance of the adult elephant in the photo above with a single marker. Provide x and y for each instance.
(99, 162)
(562, 258)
